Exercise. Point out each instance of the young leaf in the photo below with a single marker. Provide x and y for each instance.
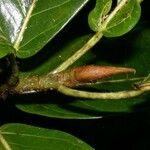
(19, 136)
(124, 19)
(98, 14)
(29, 25)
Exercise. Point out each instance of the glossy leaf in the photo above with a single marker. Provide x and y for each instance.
(20, 136)
(124, 20)
(118, 1)
(28, 25)
(98, 14)
(5, 48)
(131, 50)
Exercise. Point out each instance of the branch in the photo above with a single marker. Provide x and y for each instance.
(33, 84)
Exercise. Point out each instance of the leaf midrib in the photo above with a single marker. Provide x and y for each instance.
(23, 28)
(123, 20)
(4, 143)
(7, 146)
(54, 7)
(26, 20)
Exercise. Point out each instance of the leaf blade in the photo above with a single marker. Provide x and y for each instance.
(124, 20)
(30, 25)
(97, 15)
(20, 136)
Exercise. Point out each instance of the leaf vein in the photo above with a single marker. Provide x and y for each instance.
(40, 34)
(26, 20)
(50, 8)
(128, 16)
(21, 8)
(1, 30)
(4, 143)
(25, 146)
(37, 136)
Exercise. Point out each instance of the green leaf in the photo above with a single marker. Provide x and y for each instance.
(5, 47)
(19, 136)
(30, 25)
(98, 14)
(131, 50)
(119, 1)
(124, 20)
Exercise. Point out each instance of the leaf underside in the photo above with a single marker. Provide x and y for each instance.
(20, 136)
(121, 22)
(125, 19)
(98, 14)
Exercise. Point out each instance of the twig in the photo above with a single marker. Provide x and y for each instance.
(107, 95)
